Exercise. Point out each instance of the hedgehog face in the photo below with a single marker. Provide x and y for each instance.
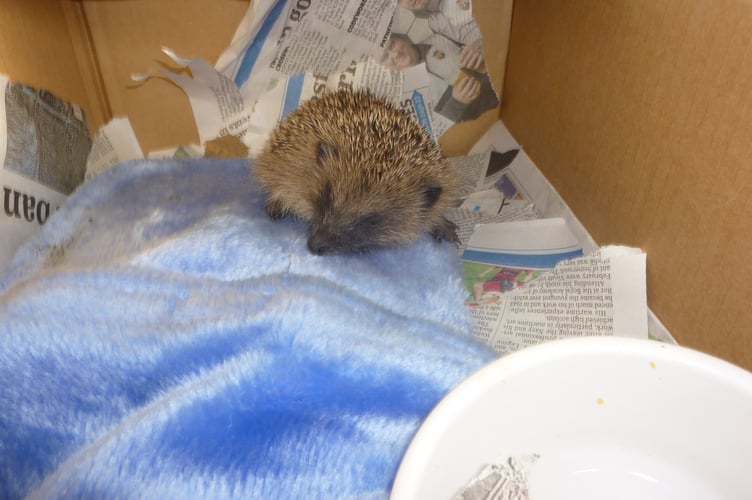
(366, 212)
(347, 226)
(342, 232)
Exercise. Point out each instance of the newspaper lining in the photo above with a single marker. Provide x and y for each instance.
(44, 142)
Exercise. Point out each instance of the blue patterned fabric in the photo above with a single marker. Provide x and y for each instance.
(162, 338)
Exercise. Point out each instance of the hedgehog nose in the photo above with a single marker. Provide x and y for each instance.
(319, 244)
(318, 247)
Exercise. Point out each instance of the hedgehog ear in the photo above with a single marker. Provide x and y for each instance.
(431, 193)
(324, 150)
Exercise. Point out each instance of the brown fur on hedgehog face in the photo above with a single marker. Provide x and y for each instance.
(361, 172)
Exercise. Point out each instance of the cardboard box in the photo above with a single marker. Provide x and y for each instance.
(639, 112)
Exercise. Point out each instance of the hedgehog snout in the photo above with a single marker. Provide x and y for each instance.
(322, 241)
(326, 239)
(319, 244)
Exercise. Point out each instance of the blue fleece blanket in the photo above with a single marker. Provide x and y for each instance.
(162, 338)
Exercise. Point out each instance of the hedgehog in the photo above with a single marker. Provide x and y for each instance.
(363, 173)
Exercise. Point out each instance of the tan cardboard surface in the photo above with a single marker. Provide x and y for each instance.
(640, 114)
(40, 45)
(128, 36)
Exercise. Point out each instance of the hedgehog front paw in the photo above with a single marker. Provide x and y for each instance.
(445, 230)
(275, 209)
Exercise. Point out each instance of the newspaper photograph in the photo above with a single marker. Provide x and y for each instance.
(444, 37)
(44, 143)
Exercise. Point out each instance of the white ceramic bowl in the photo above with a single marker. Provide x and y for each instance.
(610, 418)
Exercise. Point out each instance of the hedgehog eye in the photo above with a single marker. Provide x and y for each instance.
(324, 150)
(431, 193)
(371, 221)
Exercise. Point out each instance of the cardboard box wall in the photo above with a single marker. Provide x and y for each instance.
(639, 113)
